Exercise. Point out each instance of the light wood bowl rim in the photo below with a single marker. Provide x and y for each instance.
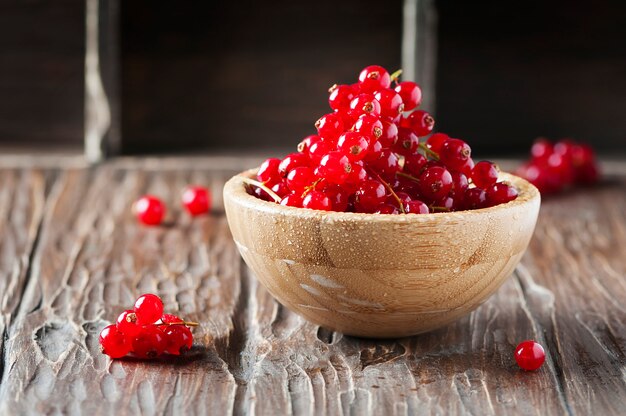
(235, 190)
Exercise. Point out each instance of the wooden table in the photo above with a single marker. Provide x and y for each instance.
(72, 257)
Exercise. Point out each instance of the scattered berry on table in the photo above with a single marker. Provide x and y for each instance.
(149, 210)
(529, 355)
(376, 152)
(197, 200)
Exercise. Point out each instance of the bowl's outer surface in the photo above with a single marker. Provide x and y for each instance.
(378, 275)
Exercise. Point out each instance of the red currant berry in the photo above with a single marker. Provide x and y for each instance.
(318, 150)
(364, 104)
(369, 195)
(149, 210)
(475, 198)
(338, 197)
(390, 103)
(357, 175)
(411, 94)
(467, 167)
(416, 207)
(454, 153)
(127, 323)
(529, 355)
(544, 178)
(316, 200)
(435, 182)
(435, 142)
(387, 165)
(500, 193)
(114, 343)
(305, 144)
(291, 161)
(340, 97)
(374, 152)
(374, 78)
(299, 178)
(353, 144)
(281, 189)
(335, 167)
(150, 343)
(407, 143)
(197, 200)
(459, 183)
(369, 124)
(485, 174)
(541, 149)
(168, 318)
(420, 122)
(292, 200)
(268, 172)
(178, 338)
(148, 308)
(329, 127)
(447, 203)
(414, 164)
(387, 209)
(389, 134)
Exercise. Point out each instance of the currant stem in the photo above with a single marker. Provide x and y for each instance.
(429, 151)
(410, 177)
(310, 187)
(440, 209)
(396, 75)
(258, 184)
(393, 193)
(186, 323)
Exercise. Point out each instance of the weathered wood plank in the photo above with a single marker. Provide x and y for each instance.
(252, 356)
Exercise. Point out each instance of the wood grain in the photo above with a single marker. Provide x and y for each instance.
(72, 257)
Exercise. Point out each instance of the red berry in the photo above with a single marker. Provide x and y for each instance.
(317, 200)
(318, 149)
(150, 343)
(338, 197)
(387, 164)
(329, 127)
(127, 323)
(416, 207)
(459, 184)
(374, 153)
(407, 143)
(500, 193)
(389, 134)
(353, 144)
(387, 209)
(148, 308)
(435, 182)
(485, 174)
(364, 104)
(454, 153)
(411, 94)
(178, 339)
(299, 178)
(340, 97)
(475, 198)
(356, 176)
(541, 149)
(374, 78)
(197, 200)
(281, 189)
(414, 164)
(370, 125)
(529, 355)
(390, 103)
(435, 142)
(544, 178)
(114, 343)
(292, 200)
(420, 122)
(335, 167)
(369, 195)
(305, 144)
(291, 161)
(168, 318)
(268, 172)
(149, 210)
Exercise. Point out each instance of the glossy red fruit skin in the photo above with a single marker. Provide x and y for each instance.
(500, 193)
(416, 207)
(475, 198)
(387, 165)
(454, 153)
(292, 200)
(387, 209)
(114, 343)
(414, 164)
(374, 78)
(485, 174)
(435, 182)
(281, 189)
(407, 142)
(268, 171)
(196, 200)
(168, 318)
(178, 339)
(389, 134)
(305, 144)
(364, 104)
(149, 210)
(148, 308)
(127, 323)
(354, 145)
(340, 97)
(318, 150)
(299, 178)
(421, 122)
(338, 197)
(369, 195)
(292, 161)
(529, 355)
(459, 183)
(369, 125)
(329, 127)
(391, 104)
(411, 94)
(150, 343)
(335, 167)
(316, 200)
(435, 142)
(541, 149)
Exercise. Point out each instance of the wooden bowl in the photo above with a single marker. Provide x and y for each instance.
(375, 275)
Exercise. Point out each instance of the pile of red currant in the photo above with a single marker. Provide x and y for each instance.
(557, 166)
(367, 157)
(146, 332)
(150, 210)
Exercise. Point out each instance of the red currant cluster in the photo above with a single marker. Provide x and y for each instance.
(146, 332)
(556, 166)
(150, 210)
(367, 157)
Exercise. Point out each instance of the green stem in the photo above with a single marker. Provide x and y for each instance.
(393, 193)
(410, 177)
(396, 75)
(428, 151)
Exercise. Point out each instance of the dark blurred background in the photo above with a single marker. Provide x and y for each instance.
(189, 76)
